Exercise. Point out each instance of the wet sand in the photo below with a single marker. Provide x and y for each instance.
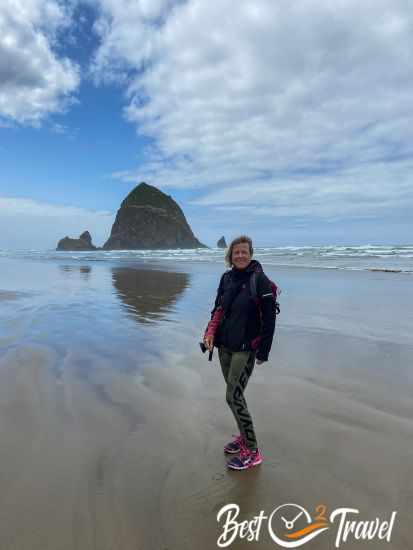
(112, 424)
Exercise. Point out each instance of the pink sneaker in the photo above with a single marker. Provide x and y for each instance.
(235, 445)
(247, 459)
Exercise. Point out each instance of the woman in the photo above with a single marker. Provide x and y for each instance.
(242, 328)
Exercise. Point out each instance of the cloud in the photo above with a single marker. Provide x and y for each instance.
(350, 194)
(128, 32)
(291, 102)
(34, 80)
(64, 130)
(26, 223)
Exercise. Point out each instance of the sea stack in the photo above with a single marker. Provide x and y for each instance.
(84, 242)
(150, 219)
(222, 243)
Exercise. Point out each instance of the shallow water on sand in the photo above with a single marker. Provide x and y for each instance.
(112, 421)
(139, 308)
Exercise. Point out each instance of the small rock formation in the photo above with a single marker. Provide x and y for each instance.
(150, 219)
(221, 243)
(84, 242)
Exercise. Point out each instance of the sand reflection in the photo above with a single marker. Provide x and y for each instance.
(149, 295)
(83, 270)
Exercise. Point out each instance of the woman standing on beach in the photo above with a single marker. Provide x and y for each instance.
(242, 328)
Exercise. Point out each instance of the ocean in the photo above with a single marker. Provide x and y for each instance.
(386, 258)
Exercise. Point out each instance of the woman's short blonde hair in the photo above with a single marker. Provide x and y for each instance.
(237, 240)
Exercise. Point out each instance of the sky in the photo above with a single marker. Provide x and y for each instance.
(288, 121)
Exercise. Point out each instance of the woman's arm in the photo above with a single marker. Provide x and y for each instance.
(265, 295)
(216, 316)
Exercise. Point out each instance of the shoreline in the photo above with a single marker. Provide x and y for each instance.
(273, 258)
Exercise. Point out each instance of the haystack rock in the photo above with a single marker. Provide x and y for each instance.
(84, 242)
(221, 243)
(149, 219)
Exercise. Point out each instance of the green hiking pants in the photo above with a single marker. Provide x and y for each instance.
(237, 367)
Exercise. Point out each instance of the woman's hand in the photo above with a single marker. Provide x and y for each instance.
(209, 342)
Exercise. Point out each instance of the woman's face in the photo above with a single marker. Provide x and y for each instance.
(241, 256)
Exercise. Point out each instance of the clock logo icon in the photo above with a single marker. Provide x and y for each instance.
(290, 525)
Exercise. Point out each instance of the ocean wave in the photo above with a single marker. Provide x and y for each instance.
(385, 258)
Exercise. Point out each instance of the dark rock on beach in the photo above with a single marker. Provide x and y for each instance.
(84, 242)
(222, 243)
(150, 219)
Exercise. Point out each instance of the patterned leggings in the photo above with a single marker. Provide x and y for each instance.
(237, 368)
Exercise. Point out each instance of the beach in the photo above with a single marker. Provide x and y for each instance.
(112, 422)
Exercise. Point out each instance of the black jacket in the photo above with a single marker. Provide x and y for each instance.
(242, 322)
